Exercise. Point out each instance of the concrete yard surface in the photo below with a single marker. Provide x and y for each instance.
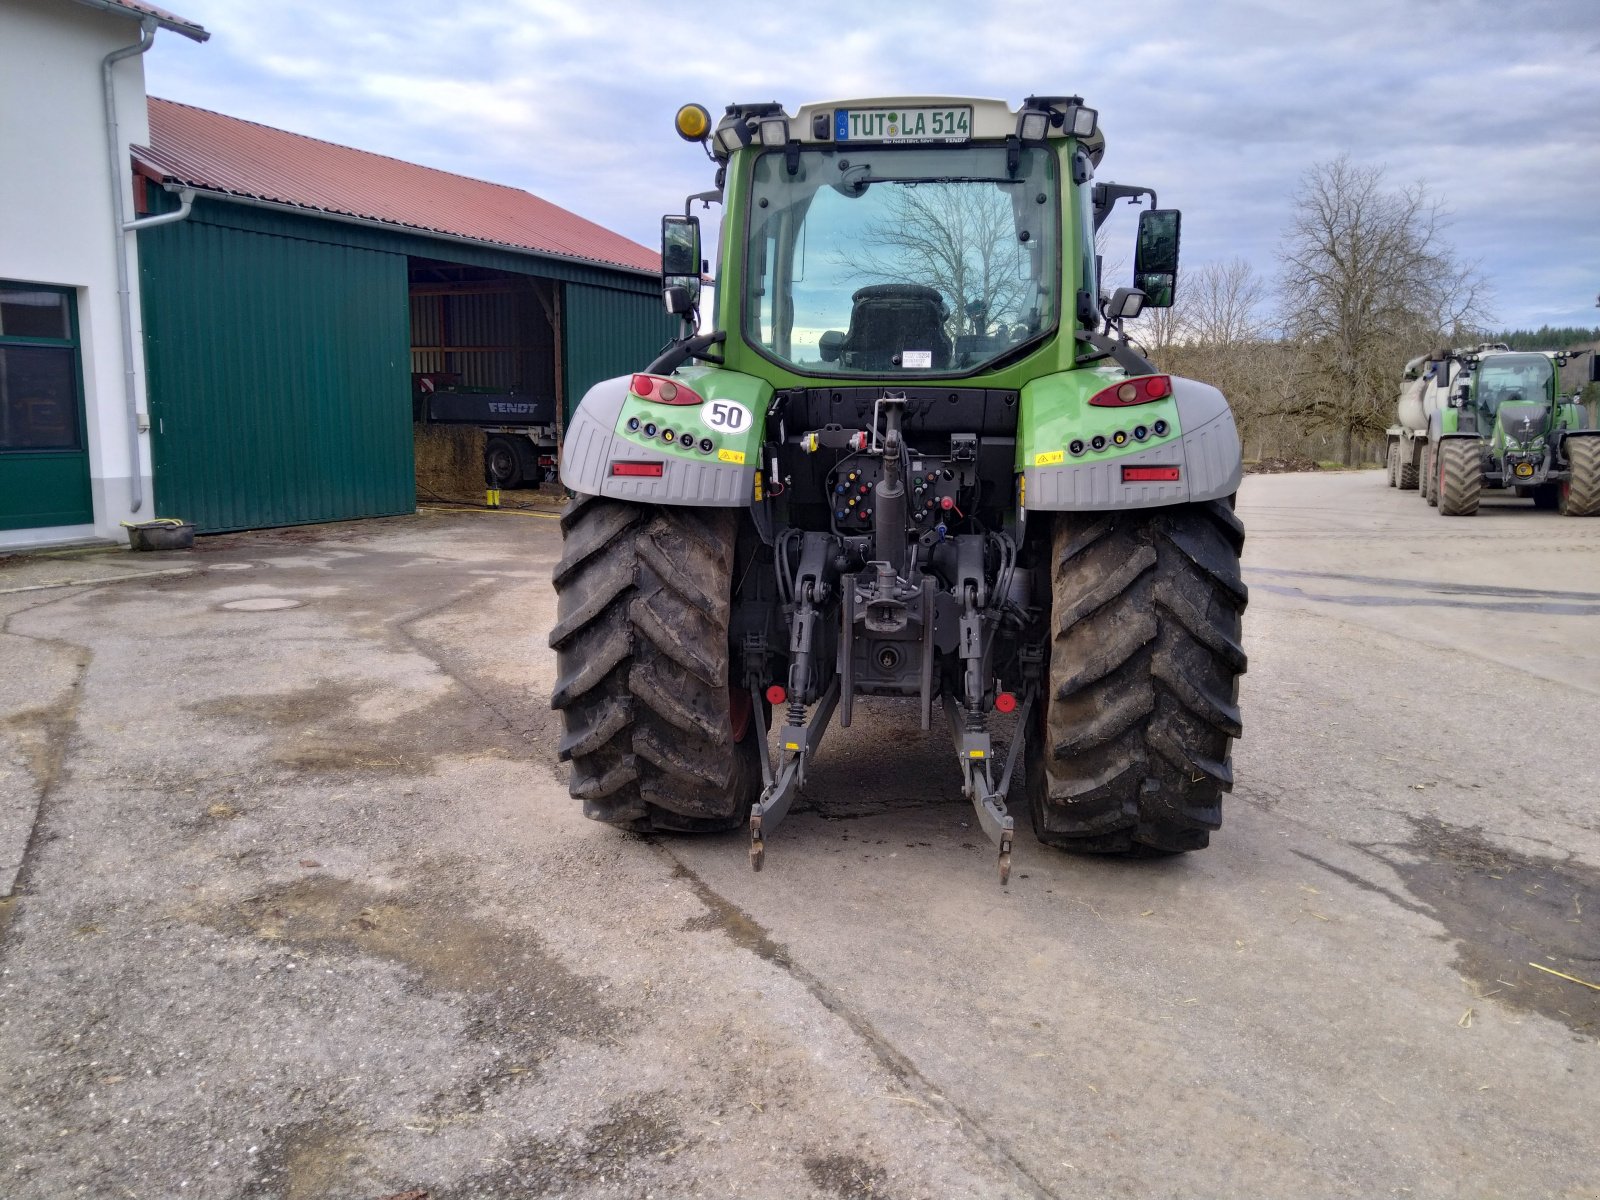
(301, 907)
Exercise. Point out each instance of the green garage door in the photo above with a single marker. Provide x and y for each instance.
(279, 377)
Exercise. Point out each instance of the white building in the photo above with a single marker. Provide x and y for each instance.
(74, 440)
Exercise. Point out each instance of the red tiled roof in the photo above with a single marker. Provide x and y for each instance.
(224, 154)
(137, 8)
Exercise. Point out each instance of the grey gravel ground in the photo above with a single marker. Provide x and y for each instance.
(306, 911)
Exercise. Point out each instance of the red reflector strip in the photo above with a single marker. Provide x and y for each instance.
(1149, 474)
(650, 470)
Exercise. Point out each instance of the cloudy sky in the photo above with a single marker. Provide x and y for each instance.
(1221, 107)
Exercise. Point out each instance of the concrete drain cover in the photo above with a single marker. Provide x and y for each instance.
(262, 604)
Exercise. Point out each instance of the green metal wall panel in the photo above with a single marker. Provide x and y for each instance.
(609, 333)
(278, 371)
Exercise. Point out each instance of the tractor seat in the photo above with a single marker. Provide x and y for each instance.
(887, 319)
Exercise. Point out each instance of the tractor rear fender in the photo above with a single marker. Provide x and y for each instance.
(600, 458)
(1572, 435)
(1207, 454)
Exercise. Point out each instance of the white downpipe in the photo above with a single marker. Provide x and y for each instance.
(185, 204)
(117, 153)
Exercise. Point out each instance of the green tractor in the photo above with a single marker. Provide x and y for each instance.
(910, 452)
(1492, 417)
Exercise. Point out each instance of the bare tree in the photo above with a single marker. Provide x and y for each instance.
(1223, 304)
(958, 238)
(1217, 332)
(1218, 306)
(1159, 330)
(1368, 281)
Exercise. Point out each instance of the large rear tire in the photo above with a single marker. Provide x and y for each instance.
(656, 737)
(1130, 749)
(1394, 464)
(1407, 474)
(1428, 484)
(1580, 495)
(1460, 483)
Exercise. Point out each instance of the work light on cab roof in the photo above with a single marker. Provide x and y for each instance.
(903, 447)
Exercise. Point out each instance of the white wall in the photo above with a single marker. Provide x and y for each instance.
(57, 221)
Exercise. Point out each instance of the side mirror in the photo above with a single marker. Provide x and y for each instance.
(1594, 366)
(1155, 260)
(831, 345)
(1126, 303)
(680, 264)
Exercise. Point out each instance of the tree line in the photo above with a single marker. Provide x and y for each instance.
(1547, 337)
(1311, 359)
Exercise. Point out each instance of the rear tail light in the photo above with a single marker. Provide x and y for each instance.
(658, 389)
(647, 470)
(1140, 390)
(1149, 474)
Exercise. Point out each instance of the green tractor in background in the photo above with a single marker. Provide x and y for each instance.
(910, 453)
(1492, 417)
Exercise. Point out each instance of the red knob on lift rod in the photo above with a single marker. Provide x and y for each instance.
(776, 695)
(1005, 702)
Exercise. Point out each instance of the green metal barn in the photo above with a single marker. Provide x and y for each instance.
(288, 314)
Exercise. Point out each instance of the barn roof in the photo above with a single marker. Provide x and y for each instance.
(211, 152)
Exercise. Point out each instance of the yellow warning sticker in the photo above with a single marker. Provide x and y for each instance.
(791, 746)
(974, 753)
(733, 456)
(1049, 458)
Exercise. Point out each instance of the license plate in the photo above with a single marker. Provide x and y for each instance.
(902, 124)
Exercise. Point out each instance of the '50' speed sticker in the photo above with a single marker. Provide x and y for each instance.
(727, 416)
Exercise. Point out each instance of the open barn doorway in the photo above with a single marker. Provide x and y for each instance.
(485, 366)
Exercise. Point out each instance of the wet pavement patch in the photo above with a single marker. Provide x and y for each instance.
(628, 1141)
(1506, 911)
(740, 928)
(517, 996)
(262, 604)
(304, 706)
(1414, 593)
(316, 730)
(847, 1176)
(1427, 585)
(306, 1161)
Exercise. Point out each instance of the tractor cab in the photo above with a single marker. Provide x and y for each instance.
(1515, 393)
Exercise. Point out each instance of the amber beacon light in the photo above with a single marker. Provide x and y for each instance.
(693, 122)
